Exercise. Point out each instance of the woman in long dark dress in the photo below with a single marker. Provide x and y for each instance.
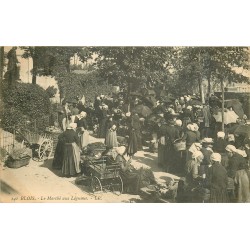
(111, 136)
(103, 119)
(58, 156)
(134, 142)
(71, 152)
(217, 180)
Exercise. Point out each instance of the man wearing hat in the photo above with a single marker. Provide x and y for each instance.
(217, 180)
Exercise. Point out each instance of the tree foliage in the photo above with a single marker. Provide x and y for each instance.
(144, 66)
(72, 85)
(209, 64)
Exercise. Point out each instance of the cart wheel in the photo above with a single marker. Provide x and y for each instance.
(45, 149)
(96, 184)
(117, 185)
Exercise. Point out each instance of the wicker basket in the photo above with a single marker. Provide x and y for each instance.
(18, 163)
(180, 145)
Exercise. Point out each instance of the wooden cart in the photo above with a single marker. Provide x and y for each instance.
(41, 144)
(105, 175)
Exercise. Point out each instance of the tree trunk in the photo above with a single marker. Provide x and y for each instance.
(223, 103)
(1, 65)
(200, 80)
(201, 90)
(68, 65)
(34, 70)
(209, 85)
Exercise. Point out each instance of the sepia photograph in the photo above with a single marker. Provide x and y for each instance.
(125, 124)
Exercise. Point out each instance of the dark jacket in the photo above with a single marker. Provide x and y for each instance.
(220, 145)
(206, 153)
(70, 136)
(217, 177)
(236, 162)
(172, 133)
(190, 137)
(81, 123)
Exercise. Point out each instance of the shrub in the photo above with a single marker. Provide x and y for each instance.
(11, 117)
(29, 99)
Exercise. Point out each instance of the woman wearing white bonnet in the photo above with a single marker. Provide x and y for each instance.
(217, 180)
(192, 174)
(220, 147)
(191, 136)
(237, 171)
(71, 152)
(221, 134)
(215, 157)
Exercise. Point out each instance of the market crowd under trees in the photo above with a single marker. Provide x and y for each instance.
(179, 70)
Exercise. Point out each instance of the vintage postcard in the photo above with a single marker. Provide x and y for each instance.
(148, 124)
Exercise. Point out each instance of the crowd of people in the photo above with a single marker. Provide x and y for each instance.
(213, 164)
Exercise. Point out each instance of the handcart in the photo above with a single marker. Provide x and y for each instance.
(105, 175)
(41, 144)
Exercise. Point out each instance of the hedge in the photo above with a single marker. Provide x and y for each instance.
(24, 102)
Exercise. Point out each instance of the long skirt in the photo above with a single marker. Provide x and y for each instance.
(111, 139)
(218, 196)
(131, 181)
(58, 156)
(84, 139)
(242, 185)
(102, 128)
(132, 144)
(139, 139)
(162, 156)
(71, 160)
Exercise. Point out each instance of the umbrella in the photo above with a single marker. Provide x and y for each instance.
(236, 105)
(143, 110)
(243, 130)
(229, 117)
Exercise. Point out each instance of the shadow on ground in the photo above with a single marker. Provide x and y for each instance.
(6, 188)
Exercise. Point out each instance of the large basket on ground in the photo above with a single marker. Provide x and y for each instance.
(179, 145)
(17, 163)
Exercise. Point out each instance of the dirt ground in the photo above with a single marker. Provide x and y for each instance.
(38, 182)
